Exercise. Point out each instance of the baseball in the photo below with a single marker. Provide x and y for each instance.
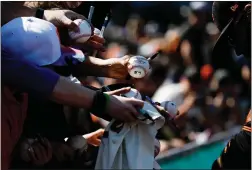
(138, 66)
(77, 142)
(170, 107)
(133, 93)
(85, 31)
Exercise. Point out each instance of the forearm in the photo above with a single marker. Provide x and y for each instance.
(93, 67)
(186, 106)
(68, 93)
(43, 83)
(11, 10)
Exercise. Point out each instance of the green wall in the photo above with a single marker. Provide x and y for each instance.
(199, 158)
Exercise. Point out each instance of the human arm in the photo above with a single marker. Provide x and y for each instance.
(112, 68)
(44, 83)
(60, 18)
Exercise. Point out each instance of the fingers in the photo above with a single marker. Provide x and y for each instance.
(31, 154)
(97, 39)
(95, 45)
(133, 113)
(94, 141)
(97, 142)
(129, 116)
(48, 148)
(99, 132)
(119, 91)
(95, 134)
(135, 102)
(40, 153)
(125, 60)
(73, 15)
(68, 23)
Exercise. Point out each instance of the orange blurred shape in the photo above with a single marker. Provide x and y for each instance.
(206, 71)
(113, 51)
(94, 118)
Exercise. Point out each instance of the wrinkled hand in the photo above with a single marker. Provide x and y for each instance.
(39, 152)
(124, 109)
(94, 137)
(64, 19)
(94, 43)
(62, 151)
(118, 67)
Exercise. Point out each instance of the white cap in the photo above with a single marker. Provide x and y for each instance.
(31, 39)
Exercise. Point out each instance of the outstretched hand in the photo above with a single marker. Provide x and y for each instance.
(93, 138)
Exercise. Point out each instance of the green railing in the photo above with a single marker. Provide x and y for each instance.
(194, 156)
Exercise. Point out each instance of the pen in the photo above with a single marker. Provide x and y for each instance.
(153, 56)
(154, 105)
(105, 23)
(90, 14)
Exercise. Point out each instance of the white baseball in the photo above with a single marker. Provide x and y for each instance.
(77, 142)
(85, 31)
(139, 66)
(170, 107)
(133, 93)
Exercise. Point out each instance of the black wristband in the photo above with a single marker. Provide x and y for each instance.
(99, 105)
(39, 13)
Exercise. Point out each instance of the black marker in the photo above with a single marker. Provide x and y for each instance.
(154, 56)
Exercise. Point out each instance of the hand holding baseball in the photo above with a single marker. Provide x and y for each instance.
(85, 37)
(118, 67)
(138, 67)
(63, 18)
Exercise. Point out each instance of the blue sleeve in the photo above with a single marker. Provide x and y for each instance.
(28, 77)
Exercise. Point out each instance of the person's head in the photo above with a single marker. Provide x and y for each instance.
(233, 19)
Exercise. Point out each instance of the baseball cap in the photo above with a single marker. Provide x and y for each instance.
(37, 41)
(31, 39)
(224, 15)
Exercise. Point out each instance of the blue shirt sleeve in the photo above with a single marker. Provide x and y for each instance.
(27, 77)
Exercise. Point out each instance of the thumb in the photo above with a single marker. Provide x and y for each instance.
(68, 23)
(125, 59)
(98, 133)
(119, 91)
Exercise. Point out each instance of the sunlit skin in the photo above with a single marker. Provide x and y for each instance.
(71, 4)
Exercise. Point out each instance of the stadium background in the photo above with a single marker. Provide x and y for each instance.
(135, 24)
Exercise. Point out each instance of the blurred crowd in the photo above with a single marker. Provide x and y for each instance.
(212, 93)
